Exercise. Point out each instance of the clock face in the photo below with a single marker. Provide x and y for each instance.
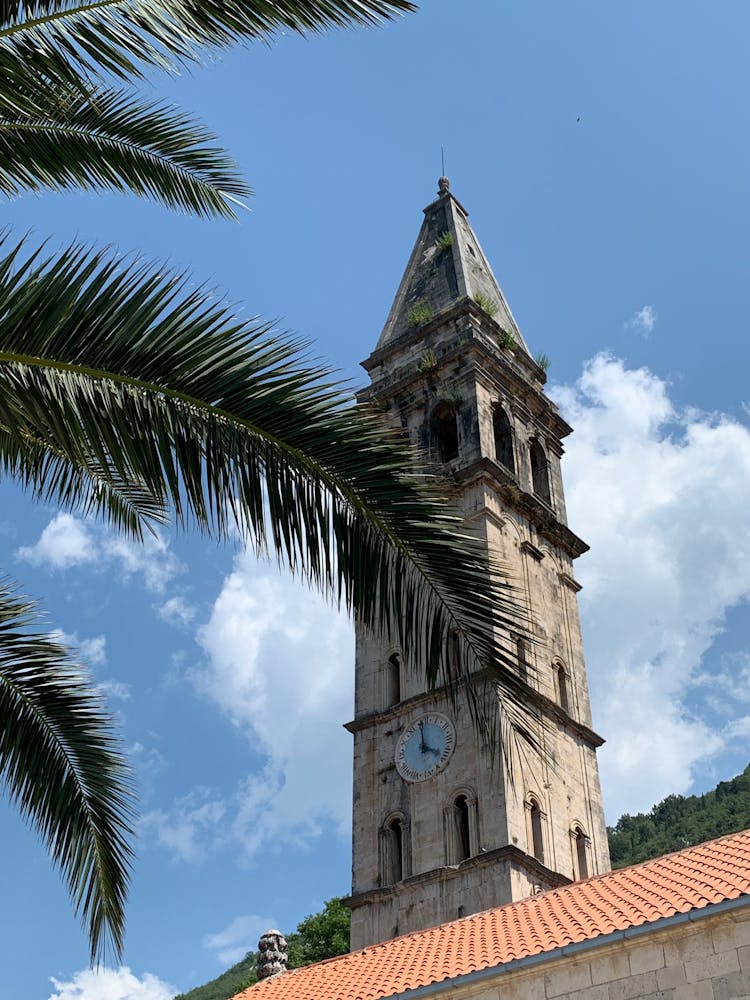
(424, 748)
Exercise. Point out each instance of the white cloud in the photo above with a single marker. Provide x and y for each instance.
(92, 651)
(176, 611)
(279, 664)
(65, 542)
(68, 541)
(115, 689)
(643, 320)
(152, 559)
(661, 496)
(238, 938)
(192, 826)
(111, 984)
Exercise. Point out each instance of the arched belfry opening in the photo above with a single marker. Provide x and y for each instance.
(444, 428)
(462, 826)
(503, 437)
(539, 471)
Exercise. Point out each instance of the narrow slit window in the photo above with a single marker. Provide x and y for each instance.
(522, 656)
(583, 865)
(537, 841)
(393, 680)
(462, 828)
(503, 435)
(396, 850)
(562, 689)
(539, 472)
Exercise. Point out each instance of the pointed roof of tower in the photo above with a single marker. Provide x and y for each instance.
(446, 264)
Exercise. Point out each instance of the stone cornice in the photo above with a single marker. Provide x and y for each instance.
(538, 513)
(546, 706)
(509, 854)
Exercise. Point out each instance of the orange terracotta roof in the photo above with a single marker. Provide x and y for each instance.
(690, 879)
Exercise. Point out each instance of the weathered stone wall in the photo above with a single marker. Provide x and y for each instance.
(705, 960)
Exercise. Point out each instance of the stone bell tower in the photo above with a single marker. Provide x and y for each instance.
(440, 828)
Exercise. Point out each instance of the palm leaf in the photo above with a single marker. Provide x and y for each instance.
(106, 139)
(70, 40)
(119, 366)
(62, 766)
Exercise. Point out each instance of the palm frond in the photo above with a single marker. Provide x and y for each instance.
(53, 479)
(120, 365)
(107, 139)
(70, 39)
(62, 767)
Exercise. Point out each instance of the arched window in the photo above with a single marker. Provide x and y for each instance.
(393, 680)
(462, 829)
(503, 439)
(539, 471)
(562, 688)
(393, 850)
(445, 432)
(397, 854)
(535, 829)
(579, 839)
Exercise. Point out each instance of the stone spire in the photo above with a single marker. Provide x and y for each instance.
(446, 265)
(271, 954)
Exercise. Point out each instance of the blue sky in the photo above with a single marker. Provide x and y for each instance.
(602, 151)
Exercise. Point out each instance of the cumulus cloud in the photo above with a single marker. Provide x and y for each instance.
(65, 542)
(661, 495)
(176, 611)
(643, 320)
(279, 664)
(68, 541)
(111, 984)
(238, 938)
(191, 827)
(92, 651)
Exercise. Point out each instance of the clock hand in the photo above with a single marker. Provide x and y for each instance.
(422, 746)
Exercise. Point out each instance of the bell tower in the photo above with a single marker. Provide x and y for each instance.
(440, 829)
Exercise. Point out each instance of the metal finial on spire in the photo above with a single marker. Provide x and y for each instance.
(443, 183)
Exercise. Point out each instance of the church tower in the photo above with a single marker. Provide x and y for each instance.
(440, 830)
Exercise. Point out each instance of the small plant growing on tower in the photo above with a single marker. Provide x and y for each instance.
(420, 312)
(485, 303)
(444, 241)
(506, 340)
(543, 361)
(427, 363)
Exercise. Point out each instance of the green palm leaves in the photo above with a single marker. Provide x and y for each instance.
(122, 376)
(62, 768)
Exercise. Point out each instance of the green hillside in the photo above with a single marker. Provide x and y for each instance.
(676, 822)
(680, 821)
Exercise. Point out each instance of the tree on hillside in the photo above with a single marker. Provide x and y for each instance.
(125, 394)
